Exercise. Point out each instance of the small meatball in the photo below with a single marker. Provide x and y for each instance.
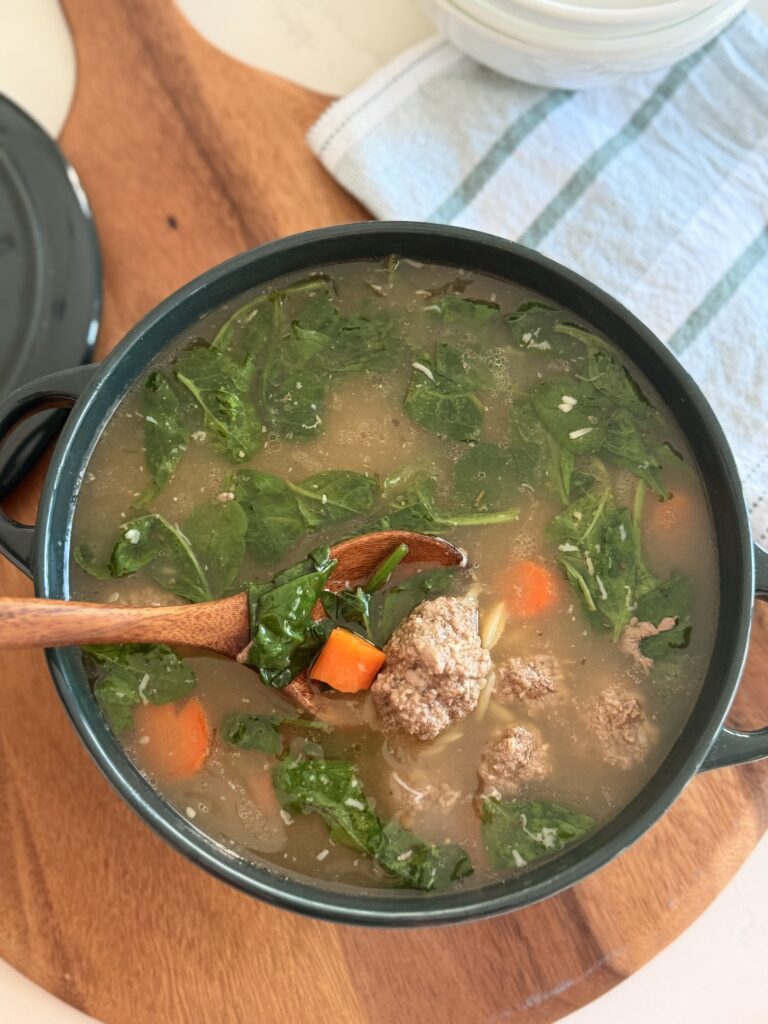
(517, 757)
(435, 669)
(635, 632)
(535, 683)
(619, 723)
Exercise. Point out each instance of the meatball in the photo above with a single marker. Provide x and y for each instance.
(535, 683)
(517, 757)
(618, 721)
(435, 669)
(635, 632)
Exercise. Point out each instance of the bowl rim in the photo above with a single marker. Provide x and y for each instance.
(384, 908)
(665, 44)
(674, 10)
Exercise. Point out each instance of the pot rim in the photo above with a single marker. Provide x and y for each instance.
(385, 907)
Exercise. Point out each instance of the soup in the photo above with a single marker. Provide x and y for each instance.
(459, 724)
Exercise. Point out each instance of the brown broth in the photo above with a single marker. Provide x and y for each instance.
(365, 429)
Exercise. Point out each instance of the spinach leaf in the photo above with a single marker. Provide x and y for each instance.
(573, 413)
(412, 509)
(210, 369)
(383, 571)
(248, 330)
(132, 673)
(581, 521)
(366, 341)
(298, 375)
(279, 512)
(375, 614)
(453, 309)
(533, 326)
(539, 460)
(389, 607)
(674, 599)
(607, 374)
(624, 446)
(252, 732)
(444, 405)
(216, 532)
(415, 509)
(334, 495)
(295, 382)
(320, 344)
(584, 421)
(255, 323)
(220, 387)
(333, 790)
(597, 547)
(150, 542)
(165, 433)
(418, 864)
(311, 303)
(350, 609)
(461, 368)
(487, 477)
(283, 640)
(275, 521)
(516, 834)
(260, 732)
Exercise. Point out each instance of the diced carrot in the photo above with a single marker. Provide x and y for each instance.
(529, 588)
(262, 792)
(347, 662)
(178, 739)
(670, 516)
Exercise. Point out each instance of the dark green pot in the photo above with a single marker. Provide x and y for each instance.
(95, 392)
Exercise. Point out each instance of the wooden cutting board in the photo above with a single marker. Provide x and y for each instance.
(189, 157)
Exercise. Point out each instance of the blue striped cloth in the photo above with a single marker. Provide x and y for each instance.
(657, 190)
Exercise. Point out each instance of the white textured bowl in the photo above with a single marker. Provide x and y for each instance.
(507, 17)
(559, 62)
(631, 43)
(648, 13)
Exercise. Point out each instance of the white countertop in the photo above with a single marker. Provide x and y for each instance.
(715, 972)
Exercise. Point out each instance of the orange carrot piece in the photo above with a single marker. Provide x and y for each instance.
(530, 588)
(347, 662)
(670, 516)
(178, 738)
(262, 792)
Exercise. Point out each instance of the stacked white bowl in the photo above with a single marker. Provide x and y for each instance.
(575, 44)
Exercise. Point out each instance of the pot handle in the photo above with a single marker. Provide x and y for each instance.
(732, 746)
(56, 391)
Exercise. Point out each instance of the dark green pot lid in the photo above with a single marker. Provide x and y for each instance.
(50, 276)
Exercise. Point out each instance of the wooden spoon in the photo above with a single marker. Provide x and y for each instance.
(220, 626)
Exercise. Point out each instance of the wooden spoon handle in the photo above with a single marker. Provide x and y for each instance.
(36, 622)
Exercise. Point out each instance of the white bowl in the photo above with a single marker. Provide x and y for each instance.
(650, 13)
(507, 17)
(556, 60)
(631, 43)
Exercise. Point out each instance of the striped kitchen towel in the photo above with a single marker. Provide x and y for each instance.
(656, 189)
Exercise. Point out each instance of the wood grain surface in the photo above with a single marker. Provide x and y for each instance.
(188, 158)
